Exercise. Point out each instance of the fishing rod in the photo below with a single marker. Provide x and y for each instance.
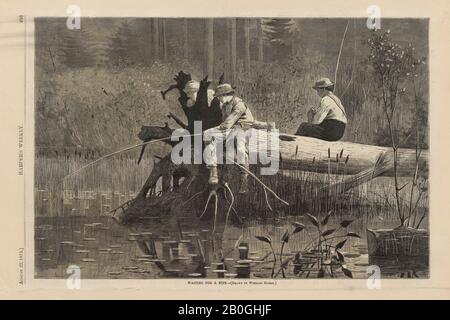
(163, 139)
(125, 149)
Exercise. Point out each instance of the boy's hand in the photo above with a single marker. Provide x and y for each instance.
(310, 115)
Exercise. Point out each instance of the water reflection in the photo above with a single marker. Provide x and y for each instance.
(104, 249)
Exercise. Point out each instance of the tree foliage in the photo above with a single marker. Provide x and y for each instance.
(278, 30)
(128, 46)
(278, 33)
(78, 49)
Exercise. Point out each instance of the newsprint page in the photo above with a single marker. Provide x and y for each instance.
(224, 149)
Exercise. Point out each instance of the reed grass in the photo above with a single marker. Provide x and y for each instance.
(95, 190)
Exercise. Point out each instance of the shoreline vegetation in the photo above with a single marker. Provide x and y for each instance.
(99, 105)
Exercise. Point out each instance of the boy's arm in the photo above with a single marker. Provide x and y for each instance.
(234, 116)
(321, 113)
(310, 115)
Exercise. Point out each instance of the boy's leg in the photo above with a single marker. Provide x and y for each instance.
(213, 138)
(242, 150)
(334, 129)
(311, 130)
(242, 159)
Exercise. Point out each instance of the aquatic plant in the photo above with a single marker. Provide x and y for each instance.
(320, 255)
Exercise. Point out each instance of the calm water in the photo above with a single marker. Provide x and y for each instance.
(72, 227)
(104, 249)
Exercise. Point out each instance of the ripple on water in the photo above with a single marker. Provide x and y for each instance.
(116, 248)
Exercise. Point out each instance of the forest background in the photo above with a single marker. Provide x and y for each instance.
(96, 86)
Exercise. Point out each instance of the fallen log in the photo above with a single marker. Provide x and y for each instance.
(311, 154)
(185, 190)
(360, 162)
(383, 164)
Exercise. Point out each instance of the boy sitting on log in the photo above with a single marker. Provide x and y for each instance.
(237, 119)
(328, 120)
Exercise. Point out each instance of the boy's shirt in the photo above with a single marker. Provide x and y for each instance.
(235, 112)
(330, 108)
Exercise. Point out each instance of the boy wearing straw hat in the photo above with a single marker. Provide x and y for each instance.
(236, 119)
(208, 113)
(191, 90)
(328, 120)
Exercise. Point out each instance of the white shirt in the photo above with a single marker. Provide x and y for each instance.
(235, 111)
(190, 103)
(330, 108)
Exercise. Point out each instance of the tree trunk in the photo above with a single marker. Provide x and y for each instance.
(301, 151)
(209, 43)
(311, 154)
(155, 38)
(185, 39)
(228, 51)
(401, 251)
(247, 45)
(164, 39)
(233, 50)
(149, 57)
(260, 41)
(190, 196)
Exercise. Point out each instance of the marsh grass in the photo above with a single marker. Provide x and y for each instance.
(93, 191)
(117, 180)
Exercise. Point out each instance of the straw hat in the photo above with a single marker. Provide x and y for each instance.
(323, 83)
(192, 86)
(223, 89)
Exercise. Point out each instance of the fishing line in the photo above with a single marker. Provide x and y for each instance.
(262, 183)
(123, 150)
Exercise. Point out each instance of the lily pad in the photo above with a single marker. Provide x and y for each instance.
(194, 275)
